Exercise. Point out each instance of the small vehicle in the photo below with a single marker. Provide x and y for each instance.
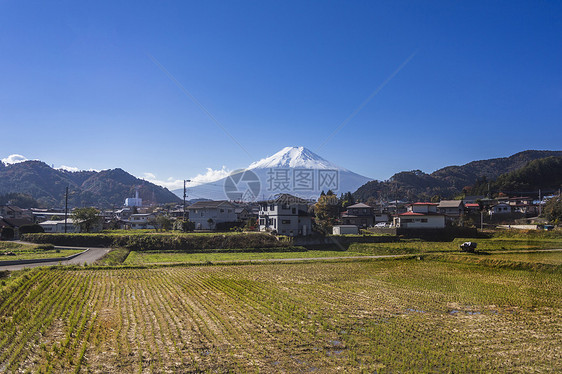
(468, 247)
(382, 225)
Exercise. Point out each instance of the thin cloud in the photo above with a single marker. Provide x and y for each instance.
(210, 176)
(172, 183)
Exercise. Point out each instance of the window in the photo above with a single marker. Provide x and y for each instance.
(222, 210)
(262, 221)
(424, 220)
(294, 210)
(286, 221)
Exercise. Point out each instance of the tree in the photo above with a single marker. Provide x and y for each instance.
(85, 218)
(346, 200)
(327, 211)
(163, 223)
(184, 226)
(553, 210)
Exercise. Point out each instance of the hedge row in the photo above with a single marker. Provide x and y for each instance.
(159, 242)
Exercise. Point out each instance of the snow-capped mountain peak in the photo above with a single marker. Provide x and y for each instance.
(293, 157)
(293, 170)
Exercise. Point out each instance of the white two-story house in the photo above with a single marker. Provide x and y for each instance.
(286, 215)
(420, 216)
(206, 214)
(140, 221)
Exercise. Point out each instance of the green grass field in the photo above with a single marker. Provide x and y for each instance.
(28, 252)
(140, 258)
(543, 257)
(388, 316)
(487, 245)
(356, 249)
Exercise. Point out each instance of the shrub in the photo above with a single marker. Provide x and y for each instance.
(77, 240)
(184, 226)
(29, 229)
(176, 242)
(7, 233)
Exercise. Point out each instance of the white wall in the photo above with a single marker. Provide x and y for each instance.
(422, 222)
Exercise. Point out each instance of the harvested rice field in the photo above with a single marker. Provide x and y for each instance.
(395, 316)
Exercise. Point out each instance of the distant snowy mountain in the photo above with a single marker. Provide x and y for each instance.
(294, 157)
(293, 170)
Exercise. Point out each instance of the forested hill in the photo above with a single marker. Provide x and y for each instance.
(544, 174)
(448, 181)
(87, 188)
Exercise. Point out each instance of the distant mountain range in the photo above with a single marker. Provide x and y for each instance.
(448, 181)
(105, 188)
(544, 174)
(294, 170)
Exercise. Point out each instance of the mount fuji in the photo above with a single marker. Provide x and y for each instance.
(294, 170)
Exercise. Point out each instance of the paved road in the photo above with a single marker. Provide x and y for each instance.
(88, 257)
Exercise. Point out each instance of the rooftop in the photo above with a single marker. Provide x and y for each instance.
(210, 204)
(450, 204)
(359, 205)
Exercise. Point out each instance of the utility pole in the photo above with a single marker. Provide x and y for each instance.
(540, 203)
(65, 209)
(184, 196)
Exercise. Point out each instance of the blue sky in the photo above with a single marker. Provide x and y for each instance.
(79, 85)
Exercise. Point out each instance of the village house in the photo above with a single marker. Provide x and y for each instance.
(472, 199)
(15, 224)
(140, 221)
(501, 208)
(207, 214)
(420, 216)
(523, 205)
(396, 207)
(472, 208)
(242, 214)
(286, 215)
(452, 209)
(519, 201)
(57, 226)
(360, 215)
(14, 212)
